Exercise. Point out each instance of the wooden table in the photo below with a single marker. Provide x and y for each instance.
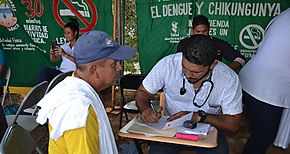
(206, 141)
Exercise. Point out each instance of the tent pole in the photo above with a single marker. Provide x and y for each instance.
(119, 29)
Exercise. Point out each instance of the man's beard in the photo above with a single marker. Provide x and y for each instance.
(196, 80)
(193, 82)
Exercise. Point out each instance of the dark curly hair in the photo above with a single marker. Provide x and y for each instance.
(73, 25)
(201, 50)
(200, 20)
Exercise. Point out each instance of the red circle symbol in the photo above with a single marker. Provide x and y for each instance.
(89, 25)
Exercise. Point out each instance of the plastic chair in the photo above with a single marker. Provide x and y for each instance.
(17, 140)
(6, 90)
(28, 122)
(129, 82)
(56, 80)
(50, 86)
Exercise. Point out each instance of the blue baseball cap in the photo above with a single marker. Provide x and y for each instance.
(95, 45)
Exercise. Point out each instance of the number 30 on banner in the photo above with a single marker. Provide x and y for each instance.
(33, 9)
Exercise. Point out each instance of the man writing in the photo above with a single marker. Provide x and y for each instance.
(200, 25)
(77, 120)
(194, 82)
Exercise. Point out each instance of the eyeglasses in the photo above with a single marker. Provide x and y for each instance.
(203, 92)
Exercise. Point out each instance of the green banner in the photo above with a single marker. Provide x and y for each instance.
(27, 26)
(163, 23)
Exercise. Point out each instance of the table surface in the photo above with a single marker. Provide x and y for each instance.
(206, 141)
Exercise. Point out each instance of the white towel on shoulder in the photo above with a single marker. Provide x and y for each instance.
(66, 107)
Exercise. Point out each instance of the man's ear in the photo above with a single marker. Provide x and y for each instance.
(75, 33)
(93, 70)
(213, 64)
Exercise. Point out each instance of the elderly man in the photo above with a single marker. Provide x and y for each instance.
(200, 25)
(194, 82)
(76, 117)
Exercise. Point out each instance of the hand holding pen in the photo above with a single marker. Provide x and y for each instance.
(151, 115)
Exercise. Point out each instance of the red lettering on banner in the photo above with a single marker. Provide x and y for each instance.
(33, 10)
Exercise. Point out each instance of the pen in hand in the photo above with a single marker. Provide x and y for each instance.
(152, 108)
(150, 114)
(158, 111)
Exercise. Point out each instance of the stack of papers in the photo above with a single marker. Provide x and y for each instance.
(149, 131)
(164, 124)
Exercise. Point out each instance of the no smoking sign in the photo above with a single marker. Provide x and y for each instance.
(85, 11)
(251, 36)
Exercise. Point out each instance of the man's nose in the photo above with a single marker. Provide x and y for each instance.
(118, 66)
(188, 74)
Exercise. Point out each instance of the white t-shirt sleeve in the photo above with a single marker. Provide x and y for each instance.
(154, 81)
(232, 100)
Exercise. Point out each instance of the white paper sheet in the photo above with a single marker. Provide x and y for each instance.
(164, 124)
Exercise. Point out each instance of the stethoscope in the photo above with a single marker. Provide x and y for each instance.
(183, 90)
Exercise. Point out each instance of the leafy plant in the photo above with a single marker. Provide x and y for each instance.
(131, 65)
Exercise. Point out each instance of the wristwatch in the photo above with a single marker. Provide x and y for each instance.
(202, 115)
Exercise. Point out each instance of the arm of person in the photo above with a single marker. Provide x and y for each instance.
(230, 54)
(229, 123)
(61, 52)
(142, 101)
(84, 140)
(153, 82)
(68, 56)
(235, 65)
(230, 105)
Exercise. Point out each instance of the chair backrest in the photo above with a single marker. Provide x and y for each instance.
(130, 82)
(57, 79)
(17, 140)
(35, 94)
(6, 88)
